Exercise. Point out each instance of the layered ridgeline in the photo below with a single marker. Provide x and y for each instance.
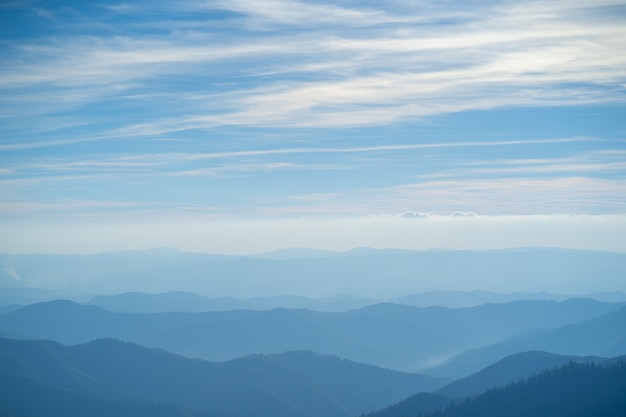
(108, 377)
(581, 387)
(362, 272)
(388, 335)
(184, 301)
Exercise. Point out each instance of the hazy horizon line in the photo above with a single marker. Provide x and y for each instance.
(313, 250)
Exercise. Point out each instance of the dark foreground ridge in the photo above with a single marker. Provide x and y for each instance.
(125, 379)
(572, 390)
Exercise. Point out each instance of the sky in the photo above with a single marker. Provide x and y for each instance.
(247, 126)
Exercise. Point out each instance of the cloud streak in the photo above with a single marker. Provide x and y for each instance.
(575, 195)
(520, 54)
(147, 161)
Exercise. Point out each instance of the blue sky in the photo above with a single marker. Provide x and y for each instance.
(244, 126)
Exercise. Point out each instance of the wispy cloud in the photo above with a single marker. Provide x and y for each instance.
(517, 195)
(518, 54)
(268, 108)
(65, 206)
(272, 12)
(143, 161)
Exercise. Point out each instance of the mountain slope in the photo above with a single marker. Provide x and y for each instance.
(19, 393)
(296, 384)
(508, 370)
(572, 390)
(415, 405)
(600, 336)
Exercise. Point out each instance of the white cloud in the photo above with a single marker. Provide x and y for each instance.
(588, 163)
(66, 206)
(519, 54)
(271, 12)
(463, 214)
(49, 168)
(282, 64)
(415, 215)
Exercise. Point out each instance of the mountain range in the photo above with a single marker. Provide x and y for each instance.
(132, 377)
(388, 335)
(104, 335)
(181, 301)
(364, 272)
(110, 377)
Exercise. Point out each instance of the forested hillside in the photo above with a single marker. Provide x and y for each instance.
(572, 390)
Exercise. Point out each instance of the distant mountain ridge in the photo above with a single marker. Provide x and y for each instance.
(181, 301)
(365, 272)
